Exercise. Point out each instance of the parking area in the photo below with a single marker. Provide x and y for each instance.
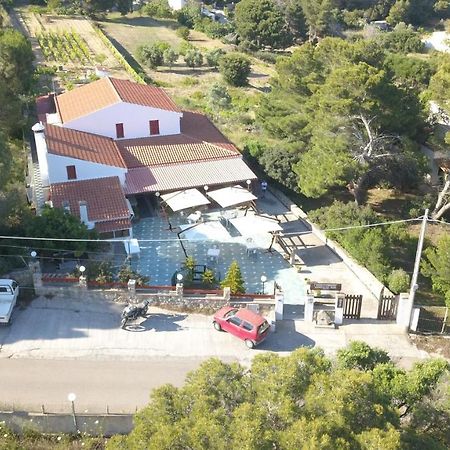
(59, 328)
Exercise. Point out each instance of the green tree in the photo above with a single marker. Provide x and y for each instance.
(399, 12)
(152, 55)
(233, 279)
(213, 57)
(436, 266)
(319, 16)
(359, 355)
(261, 23)
(193, 58)
(398, 281)
(235, 68)
(219, 96)
(57, 223)
(183, 33)
(124, 6)
(170, 57)
(158, 8)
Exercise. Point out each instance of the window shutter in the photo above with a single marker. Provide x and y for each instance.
(154, 127)
(119, 130)
(71, 172)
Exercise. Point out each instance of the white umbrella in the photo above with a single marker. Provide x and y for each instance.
(207, 231)
(252, 224)
(189, 198)
(232, 195)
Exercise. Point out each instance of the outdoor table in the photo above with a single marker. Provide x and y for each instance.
(194, 217)
(251, 247)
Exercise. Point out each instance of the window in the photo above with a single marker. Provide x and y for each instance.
(247, 326)
(235, 321)
(4, 290)
(119, 130)
(154, 127)
(71, 172)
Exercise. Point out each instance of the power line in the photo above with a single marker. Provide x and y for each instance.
(351, 227)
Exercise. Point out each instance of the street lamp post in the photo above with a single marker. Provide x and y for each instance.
(263, 281)
(72, 397)
(249, 184)
(179, 286)
(206, 188)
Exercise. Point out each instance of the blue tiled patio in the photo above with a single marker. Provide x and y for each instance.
(163, 254)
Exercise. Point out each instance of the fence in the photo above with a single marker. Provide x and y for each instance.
(434, 320)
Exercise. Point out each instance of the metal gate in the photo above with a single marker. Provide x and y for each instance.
(352, 306)
(387, 308)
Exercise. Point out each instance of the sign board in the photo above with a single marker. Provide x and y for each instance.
(325, 286)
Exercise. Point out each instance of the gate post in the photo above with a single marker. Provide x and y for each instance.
(404, 311)
(309, 308)
(279, 305)
(339, 309)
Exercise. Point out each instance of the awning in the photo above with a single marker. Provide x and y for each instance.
(207, 231)
(253, 224)
(132, 247)
(233, 195)
(189, 198)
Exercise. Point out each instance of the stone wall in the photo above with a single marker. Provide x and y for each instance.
(96, 425)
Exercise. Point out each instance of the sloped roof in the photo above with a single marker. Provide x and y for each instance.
(169, 150)
(81, 145)
(108, 91)
(187, 175)
(104, 198)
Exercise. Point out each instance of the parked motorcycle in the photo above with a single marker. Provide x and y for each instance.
(133, 312)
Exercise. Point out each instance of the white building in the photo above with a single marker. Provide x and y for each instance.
(177, 4)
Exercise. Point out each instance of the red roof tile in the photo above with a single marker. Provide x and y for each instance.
(104, 198)
(81, 145)
(156, 151)
(105, 92)
(113, 225)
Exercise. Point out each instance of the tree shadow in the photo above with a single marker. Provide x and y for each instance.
(160, 322)
(286, 338)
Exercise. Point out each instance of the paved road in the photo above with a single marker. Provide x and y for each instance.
(122, 385)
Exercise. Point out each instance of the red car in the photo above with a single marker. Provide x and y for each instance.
(242, 323)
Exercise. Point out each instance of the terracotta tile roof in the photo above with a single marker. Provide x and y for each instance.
(143, 94)
(187, 175)
(104, 198)
(109, 91)
(45, 104)
(170, 150)
(81, 145)
(113, 225)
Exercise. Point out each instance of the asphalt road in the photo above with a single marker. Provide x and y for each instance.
(122, 385)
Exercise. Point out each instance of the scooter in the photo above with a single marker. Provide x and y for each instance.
(133, 312)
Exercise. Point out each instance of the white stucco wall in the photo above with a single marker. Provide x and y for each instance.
(41, 149)
(135, 119)
(177, 4)
(85, 170)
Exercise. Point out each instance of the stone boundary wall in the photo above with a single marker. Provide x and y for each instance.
(95, 425)
(375, 286)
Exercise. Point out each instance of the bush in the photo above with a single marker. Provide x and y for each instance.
(170, 56)
(193, 58)
(398, 281)
(158, 8)
(359, 355)
(402, 40)
(213, 57)
(235, 68)
(185, 47)
(183, 33)
(234, 279)
(151, 55)
(126, 273)
(219, 96)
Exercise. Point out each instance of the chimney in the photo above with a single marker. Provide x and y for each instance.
(41, 149)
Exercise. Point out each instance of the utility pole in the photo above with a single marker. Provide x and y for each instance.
(414, 285)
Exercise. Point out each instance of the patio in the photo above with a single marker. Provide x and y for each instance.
(216, 246)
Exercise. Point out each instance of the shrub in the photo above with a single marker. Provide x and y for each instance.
(170, 56)
(234, 279)
(235, 68)
(359, 355)
(183, 33)
(152, 55)
(158, 8)
(208, 277)
(219, 96)
(126, 273)
(185, 47)
(398, 281)
(193, 58)
(213, 57)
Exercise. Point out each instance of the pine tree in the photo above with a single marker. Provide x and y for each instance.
(234, 279)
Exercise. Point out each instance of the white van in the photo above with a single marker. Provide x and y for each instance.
(9, 290)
